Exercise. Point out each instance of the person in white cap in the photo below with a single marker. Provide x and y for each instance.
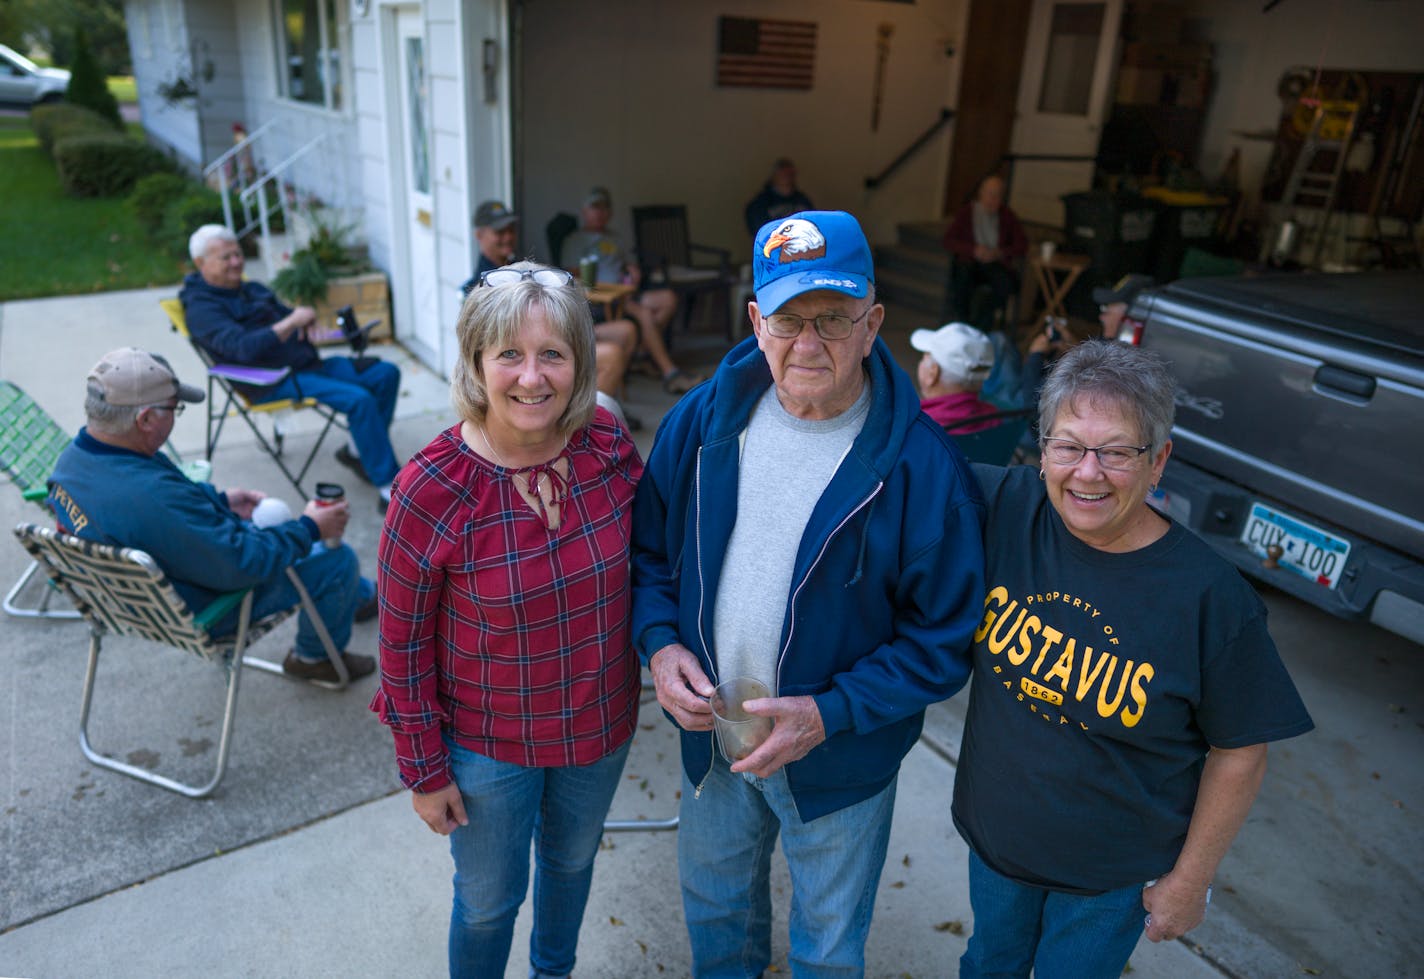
(957, 360)
(114, 485)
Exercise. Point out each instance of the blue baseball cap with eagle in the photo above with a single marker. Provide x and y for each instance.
(807, 251)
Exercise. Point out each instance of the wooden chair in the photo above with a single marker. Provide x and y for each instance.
(122, 591)
(995, 445)
(30, 444)
(666, 254)
(242, 389)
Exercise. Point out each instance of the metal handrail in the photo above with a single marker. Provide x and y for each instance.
(945, 114)
(263, 211)
(238, 147)
(219, 166)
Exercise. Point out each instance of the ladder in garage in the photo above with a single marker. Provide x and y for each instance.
(1315, 178)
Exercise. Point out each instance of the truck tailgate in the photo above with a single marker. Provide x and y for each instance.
(1305, 388)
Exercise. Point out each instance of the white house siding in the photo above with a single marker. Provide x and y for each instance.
(157, 34)
(213, 42)
(623, 94)
(328, 171)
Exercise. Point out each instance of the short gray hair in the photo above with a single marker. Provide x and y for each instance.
(491, 317)
(1112, 373)
(201, 239)
(105, 418)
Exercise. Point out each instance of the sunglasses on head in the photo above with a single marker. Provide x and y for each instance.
(553, 278)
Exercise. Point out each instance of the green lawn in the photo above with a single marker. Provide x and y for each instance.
(58, 245)
(123, 88)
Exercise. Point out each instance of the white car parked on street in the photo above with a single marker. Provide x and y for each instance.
(24, 83)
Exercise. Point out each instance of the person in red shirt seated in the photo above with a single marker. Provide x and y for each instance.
(508, 675)
(957, 359)
(989, 245)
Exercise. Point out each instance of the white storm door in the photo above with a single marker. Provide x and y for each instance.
(1069, 64)
(418, 207)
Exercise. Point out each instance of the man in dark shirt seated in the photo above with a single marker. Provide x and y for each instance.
(779, 198)
(244, 323)
(496, 234)
(114, 485)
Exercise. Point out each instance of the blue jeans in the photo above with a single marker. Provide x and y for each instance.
(1018, 927)
(562, 809)
(724, 843)
(332, 578)
(368, 400)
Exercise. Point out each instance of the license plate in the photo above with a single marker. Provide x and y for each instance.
(1308, 551)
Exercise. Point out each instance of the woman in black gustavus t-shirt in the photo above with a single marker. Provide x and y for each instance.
(1125, 687)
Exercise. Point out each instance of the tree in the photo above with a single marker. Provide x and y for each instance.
(50, 25)
(87, 85)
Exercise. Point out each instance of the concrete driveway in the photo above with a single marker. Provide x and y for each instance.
(308, 861)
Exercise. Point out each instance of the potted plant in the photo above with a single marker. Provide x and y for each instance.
(329, 272)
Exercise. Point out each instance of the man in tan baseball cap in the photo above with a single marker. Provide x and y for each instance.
(114, 484)
(130, 376)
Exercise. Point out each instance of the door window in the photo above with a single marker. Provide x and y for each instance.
(415, 111)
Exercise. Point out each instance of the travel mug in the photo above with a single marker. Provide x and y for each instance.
(330, 494)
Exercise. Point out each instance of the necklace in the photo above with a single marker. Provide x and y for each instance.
(493, 451)
(542, 486)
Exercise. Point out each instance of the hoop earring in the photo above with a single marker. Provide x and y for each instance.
(1042, 475)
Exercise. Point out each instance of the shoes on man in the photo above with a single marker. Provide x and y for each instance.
(368, 609)
(322, 671)
(351, 461)
(680, 382)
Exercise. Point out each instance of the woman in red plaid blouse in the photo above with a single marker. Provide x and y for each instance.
(507, 672)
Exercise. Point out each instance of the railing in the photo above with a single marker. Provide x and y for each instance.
(233, 161)
(256, 191)
(920, 142)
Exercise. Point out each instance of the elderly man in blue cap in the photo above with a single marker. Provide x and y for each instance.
(801, 522)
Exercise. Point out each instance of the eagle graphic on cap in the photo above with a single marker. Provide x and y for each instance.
(798, 240)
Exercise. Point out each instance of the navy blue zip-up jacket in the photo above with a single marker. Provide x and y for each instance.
(234, 325)
(114, 495)
(888, 585)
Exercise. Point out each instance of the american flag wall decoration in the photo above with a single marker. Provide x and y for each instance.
(754, 53)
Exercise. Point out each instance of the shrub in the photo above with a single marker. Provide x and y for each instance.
(88, 86)
(57, 121)
(303, 281)
(104, 165)
(199, 205)
(151, 197)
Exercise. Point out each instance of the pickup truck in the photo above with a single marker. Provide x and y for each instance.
(1298, 448)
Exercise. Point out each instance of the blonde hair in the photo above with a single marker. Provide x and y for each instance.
(493, 316)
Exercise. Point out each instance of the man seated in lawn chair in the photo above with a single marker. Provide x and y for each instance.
(114, 485)
(245, 323)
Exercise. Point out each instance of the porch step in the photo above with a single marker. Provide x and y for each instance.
(911, 292)
(914, 272)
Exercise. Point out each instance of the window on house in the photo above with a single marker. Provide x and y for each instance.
(308, 52)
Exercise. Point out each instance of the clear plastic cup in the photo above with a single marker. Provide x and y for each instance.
(738, 733)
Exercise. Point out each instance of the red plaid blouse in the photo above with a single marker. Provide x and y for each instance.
(507, 636)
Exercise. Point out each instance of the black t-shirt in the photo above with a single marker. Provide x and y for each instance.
(1100, 680)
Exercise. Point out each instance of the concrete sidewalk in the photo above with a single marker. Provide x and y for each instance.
(366, 893)
(308, 860)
